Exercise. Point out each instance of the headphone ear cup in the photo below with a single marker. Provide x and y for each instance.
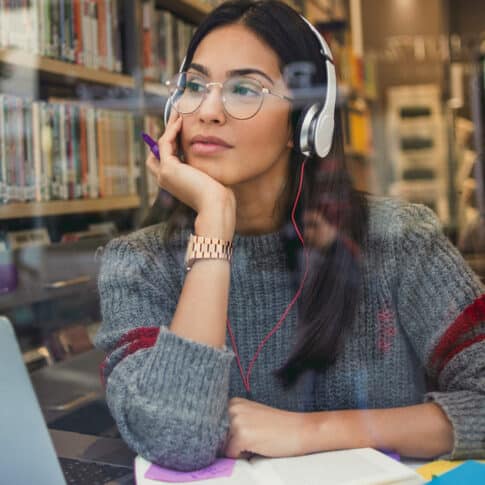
(305, 130)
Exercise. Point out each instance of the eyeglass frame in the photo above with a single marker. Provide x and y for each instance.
(264, 91)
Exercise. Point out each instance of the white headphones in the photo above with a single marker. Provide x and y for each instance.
(314, 132)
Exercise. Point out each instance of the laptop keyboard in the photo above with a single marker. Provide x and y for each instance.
(77, 472)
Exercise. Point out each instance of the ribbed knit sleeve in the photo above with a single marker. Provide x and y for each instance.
(168, 395)
(441, 307)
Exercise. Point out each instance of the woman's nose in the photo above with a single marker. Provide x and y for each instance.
(212, 106)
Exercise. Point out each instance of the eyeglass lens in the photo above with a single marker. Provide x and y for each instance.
(242, 97)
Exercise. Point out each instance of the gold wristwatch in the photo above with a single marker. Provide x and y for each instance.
(200, 247)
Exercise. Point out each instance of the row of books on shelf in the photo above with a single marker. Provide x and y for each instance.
(165, 41)
(85, 32)
(64, 150)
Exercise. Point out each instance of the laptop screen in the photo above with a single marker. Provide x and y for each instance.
(27, 455)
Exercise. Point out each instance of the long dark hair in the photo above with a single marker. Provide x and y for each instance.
(328, 302)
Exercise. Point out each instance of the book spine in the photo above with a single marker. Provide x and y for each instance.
(78, 33)
(115, 17)
(13, 26)
(171, 69)
(94, 33)
(46, 28)
(56, 180)
(62, 30)
(3, 155)
(68, 168)
(64, 133)
(83, 155)
(27, 29)
(147, 40)
(70, 30)
(55, 27)
(3, 24)
(29, 187)
(20, 154)
(86, 30)
(48, 149)
(36, 148)
(108, 140)
(76, 138)
(92, 154)
(9, 149)
(101, 32)
(109, 37)
(35, 24)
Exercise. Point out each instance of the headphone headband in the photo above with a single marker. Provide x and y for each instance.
(317, 122)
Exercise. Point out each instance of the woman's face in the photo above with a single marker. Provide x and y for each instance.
(259, 147)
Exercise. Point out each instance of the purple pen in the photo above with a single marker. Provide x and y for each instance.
(152, 144)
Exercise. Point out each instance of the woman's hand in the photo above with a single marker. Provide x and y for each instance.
(214, 203)
(256, 428)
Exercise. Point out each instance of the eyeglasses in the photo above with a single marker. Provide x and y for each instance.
(242, 97)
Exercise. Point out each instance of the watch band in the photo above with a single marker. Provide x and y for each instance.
(200, 247)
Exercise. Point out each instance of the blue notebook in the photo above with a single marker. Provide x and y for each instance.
(469, 473)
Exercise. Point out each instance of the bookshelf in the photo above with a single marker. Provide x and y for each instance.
(63, 207)
(21, 58)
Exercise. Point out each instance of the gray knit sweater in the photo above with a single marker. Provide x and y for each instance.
(418, 335)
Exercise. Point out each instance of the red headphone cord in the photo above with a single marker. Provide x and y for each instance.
(246, 377)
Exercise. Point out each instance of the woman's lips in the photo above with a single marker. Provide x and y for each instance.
(203, 148)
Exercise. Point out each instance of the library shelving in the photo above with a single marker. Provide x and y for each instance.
(18, 210)
(21, 58)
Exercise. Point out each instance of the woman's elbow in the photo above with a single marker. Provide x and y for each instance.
(170, 440)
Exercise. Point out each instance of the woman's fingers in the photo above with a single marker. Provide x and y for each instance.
(168, 142)
(153, 164)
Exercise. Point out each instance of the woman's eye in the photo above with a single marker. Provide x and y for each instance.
(244, 90)
(195, 86)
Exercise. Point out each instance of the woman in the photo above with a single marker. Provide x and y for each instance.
(371, 334)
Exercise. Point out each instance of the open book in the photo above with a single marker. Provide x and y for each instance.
(363, 466)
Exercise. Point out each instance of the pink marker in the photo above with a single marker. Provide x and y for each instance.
(152, 144)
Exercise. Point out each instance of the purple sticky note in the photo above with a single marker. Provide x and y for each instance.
(223, 467)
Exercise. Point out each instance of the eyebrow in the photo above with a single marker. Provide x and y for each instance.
(233, 72)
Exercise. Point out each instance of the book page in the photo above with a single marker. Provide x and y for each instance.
(346, 467)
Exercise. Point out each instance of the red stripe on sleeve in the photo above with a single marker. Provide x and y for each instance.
(473, 315)
(137, 333)
(142, 343)
(138, 338)
(459, 348)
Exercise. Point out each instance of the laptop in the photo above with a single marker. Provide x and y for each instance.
(27, 452)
